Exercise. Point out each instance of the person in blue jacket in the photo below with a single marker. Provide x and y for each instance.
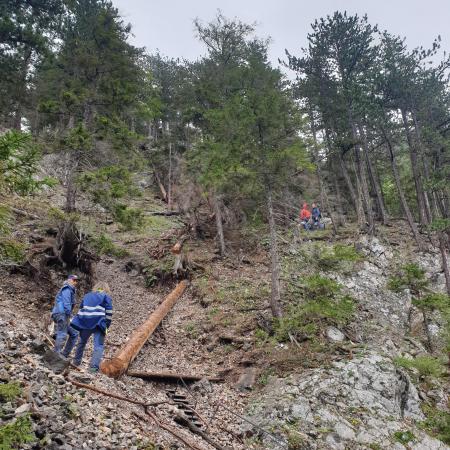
(61, 313)
(93, 319)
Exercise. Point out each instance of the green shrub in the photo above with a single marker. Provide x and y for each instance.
(437, 423)
(11, 251)
(129, 218)
(104, 245)
(410, 276)
(9, 391)
(425, 365)
(340, 256)
(18, 432)
(304, 321)
(18, 163)
(322, 304)
(5, 220)
(107, 185)
(404, 436)
(317, 286)
(433, 301)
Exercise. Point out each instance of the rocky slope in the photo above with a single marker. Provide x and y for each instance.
(345, 393)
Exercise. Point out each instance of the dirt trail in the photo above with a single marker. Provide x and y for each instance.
(170, 348)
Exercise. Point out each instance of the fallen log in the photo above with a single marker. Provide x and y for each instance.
(162, 213)
(171, 376)
(118, 365)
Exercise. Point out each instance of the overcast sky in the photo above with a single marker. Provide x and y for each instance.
(167, 25)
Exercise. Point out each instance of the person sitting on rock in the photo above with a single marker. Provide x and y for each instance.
(305, 216)
(316, 215)
(61, 313)
(93, 318)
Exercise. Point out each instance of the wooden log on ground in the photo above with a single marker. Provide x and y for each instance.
(171, 376)
(118, 365)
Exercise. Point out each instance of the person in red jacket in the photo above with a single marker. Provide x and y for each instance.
(305, 216)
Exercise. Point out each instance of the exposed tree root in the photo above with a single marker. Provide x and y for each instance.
(116, 396)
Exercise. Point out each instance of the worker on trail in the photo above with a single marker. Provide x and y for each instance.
(305, 216)
(93, 318)
(61, 313)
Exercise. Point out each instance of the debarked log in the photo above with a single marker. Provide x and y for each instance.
(118, 365)
(171, 376)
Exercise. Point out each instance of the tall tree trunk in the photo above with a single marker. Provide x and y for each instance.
(219, 225)
(169, 187)
(356, 199)
(423, 217)
(361, 180)
(322, 189)
(443, 249)
(425, 168)
(72, 167)
(337, 188)
(374, 180)
(275, 298)
(401, 194)
(365, 191)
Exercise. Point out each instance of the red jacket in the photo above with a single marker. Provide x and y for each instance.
(305, 214)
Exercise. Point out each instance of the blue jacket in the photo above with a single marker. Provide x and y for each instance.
(316, 213)
(95, 311)
(65, 300)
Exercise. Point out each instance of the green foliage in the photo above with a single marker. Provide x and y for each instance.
(404, 437)
(433, 301)
(440, 224)
(338, 257)
(265, 375)
(108, 184)
(18, 163)
(104, 245)
(158, 270)
(11, 251)
(317, 286)
(129, 218)
(410, 276)
(323, 303)
(78, 139)
(15, 433)
(10, 391)
(437, 423)
(261, 337)
(192, 330)
(425, 365)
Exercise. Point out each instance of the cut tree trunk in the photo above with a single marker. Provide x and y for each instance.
(118, 365)
(275, 298)
(171, 376)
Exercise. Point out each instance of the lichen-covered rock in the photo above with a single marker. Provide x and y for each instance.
(351, 405)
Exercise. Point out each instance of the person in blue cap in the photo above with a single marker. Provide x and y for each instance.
(93, 319)
(61, 313)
